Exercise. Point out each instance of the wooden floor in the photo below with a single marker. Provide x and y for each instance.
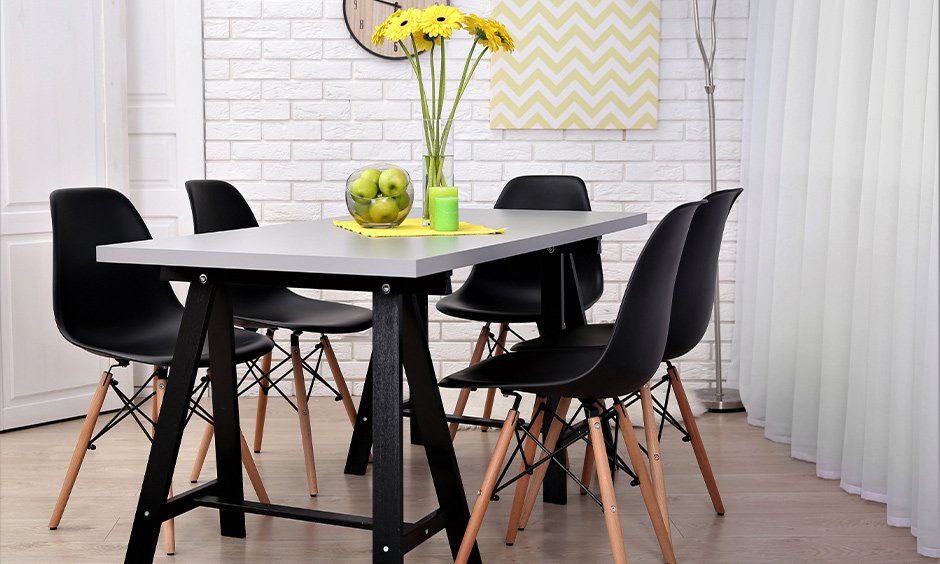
(777, 510)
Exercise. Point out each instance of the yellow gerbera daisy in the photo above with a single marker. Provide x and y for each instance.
(378, 36)
(505, 39)
(482, 31)
(440, 21)
(401, 25)
(423, 42)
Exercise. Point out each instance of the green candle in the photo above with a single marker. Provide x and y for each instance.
(445, 210)
(435, 192)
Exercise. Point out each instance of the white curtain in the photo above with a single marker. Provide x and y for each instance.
(836, 338)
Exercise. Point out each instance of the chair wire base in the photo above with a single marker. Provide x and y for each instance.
(131, 406)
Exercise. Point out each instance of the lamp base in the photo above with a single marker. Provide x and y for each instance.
(730, 400)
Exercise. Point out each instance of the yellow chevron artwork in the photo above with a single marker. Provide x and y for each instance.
(578, 64)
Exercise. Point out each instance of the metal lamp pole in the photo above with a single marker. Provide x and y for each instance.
(721, 399)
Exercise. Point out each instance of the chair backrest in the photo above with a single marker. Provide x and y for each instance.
(218, 206)
(636, 345)
(522, 272)
(92, 300)
(698, 270)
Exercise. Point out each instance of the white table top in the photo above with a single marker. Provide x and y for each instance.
(319, 247)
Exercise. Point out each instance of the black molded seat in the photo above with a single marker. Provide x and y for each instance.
(691, 312)
(694, 293)
(120, 311)
(218, 206)
(622, 367)
(509, 290)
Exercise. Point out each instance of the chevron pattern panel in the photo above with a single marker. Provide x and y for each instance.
(578, 64)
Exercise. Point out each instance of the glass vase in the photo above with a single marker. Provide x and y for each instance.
(438, 166)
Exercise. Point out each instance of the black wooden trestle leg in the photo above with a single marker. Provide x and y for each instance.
(225, 414)
(357, 459)
(169, 429)
(387, 503)
(429, 413)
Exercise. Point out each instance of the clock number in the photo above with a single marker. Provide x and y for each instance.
(362, 24)
(355, 4)
(395, 47)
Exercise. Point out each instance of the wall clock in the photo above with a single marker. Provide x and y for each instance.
(363, 15)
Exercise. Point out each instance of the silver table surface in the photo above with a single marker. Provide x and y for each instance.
(318, 246)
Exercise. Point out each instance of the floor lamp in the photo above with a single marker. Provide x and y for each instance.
(721, 398)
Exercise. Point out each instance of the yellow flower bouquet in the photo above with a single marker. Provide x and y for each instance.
(426, 30)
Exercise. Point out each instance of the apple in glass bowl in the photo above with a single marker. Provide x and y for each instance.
(379, 195)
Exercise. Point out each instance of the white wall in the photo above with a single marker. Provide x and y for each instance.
(293, 105)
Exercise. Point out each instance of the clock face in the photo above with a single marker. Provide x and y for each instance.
(362, 16)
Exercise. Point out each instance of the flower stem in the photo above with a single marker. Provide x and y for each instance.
(464, 81)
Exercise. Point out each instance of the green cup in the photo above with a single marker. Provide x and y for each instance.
(445, 214)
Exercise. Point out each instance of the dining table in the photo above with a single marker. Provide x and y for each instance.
(400, 273)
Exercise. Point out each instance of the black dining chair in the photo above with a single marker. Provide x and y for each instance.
(509, 291)
(591, 375)
(691, 312)
(120, 311)
(218, 206)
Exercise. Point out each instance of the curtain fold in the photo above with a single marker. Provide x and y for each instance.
(836, 347)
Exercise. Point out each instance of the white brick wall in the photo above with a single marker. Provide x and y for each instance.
(293, 105)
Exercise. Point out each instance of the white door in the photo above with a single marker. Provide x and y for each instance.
(62, 123)
(97, 93)
(165, 113)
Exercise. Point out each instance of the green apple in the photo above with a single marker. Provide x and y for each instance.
(403, 200)
(371, 174)
(383, 210)
(392, 181)
(364, 188)
(362, 210)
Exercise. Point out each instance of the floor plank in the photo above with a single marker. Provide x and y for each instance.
(777, 510)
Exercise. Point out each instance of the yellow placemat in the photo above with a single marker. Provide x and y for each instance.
(415, 228)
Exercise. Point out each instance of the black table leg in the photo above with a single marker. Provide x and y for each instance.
(429, 414)
(387, 503)
(228, 451)
(554, 310)
(360, 447)
(169, 428)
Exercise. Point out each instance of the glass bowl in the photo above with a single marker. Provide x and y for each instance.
(370, 205)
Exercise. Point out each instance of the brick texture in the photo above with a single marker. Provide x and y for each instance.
(293, 105)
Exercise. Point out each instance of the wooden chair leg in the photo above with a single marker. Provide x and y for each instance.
(697, 446)
(303, 413)
(588, 469)
(607, 491)
(159, 388)
(486, 490)
(522, 485)
(646, 486)
(458, 410)
(554, 431)
(265, 385)
(78, 455)
(207, 435)
(339, 380)
(491, 393)
(465, 393)
(249, 462)
(488, 407)
(253, 476)
(653, 454)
